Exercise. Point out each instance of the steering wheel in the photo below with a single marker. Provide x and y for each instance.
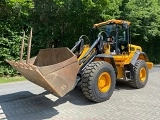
(104, 36)
(85, 38)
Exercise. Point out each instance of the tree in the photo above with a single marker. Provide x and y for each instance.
(145, 18)
(59, 23)
(13, 19)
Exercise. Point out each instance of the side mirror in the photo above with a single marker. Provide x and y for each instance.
(125, 25)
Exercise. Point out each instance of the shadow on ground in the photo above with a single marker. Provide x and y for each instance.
(25, 105)
(123, 85)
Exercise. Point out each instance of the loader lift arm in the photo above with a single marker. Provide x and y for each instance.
(95, 49)
(93, 52)
(78, 47)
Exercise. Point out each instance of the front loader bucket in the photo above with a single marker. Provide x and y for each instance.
(54, 69)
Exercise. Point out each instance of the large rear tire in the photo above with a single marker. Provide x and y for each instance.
(98, 81)
(140, 74)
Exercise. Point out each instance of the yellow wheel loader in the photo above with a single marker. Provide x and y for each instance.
(96, 66)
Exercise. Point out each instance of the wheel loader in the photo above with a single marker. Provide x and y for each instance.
(96, 67)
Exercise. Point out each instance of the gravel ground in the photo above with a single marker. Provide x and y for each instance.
(27, 101)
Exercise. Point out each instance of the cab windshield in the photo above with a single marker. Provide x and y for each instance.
(110, 29)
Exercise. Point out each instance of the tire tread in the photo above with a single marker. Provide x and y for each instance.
(87, 81)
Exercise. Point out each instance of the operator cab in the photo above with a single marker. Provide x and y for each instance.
(117, 35)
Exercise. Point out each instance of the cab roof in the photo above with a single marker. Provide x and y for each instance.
(114, 21)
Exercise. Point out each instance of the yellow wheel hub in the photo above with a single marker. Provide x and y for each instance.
(104, 82)
(142, 74)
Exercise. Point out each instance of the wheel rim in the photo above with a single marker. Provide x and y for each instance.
(104, 82)
(142, 74)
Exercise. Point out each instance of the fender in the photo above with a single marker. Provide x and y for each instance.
(139, 55)
(112, 62)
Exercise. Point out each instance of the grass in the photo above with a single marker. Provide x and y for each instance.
(11, 79)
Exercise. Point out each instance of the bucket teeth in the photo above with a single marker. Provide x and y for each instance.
(26, 66)
(16, 64)
(32, 66)
(10, 62)
(21, 65)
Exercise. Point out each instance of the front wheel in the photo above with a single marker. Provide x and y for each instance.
(98, 81)
(140, 74)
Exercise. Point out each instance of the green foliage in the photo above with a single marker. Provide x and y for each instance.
(60, 22)
(13, 19)
(145, 18)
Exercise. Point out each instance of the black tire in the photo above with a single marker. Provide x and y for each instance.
(136, 81)
(90, 78)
